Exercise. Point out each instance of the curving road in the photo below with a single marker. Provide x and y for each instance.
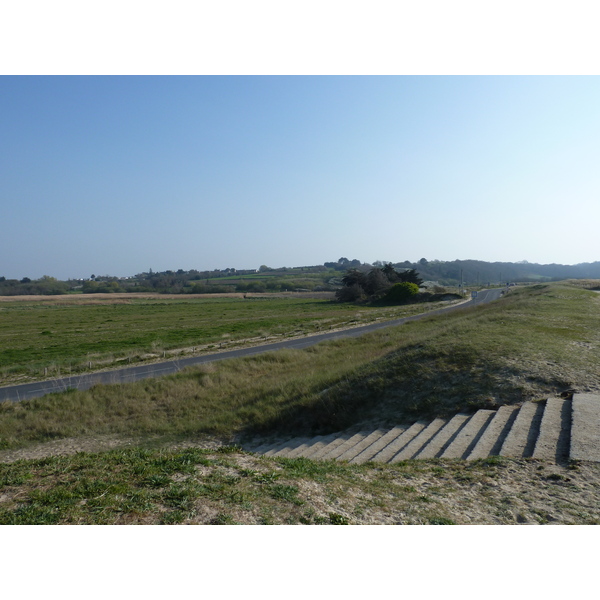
(16, 393)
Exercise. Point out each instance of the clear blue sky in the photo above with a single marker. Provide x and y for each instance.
(117, 175)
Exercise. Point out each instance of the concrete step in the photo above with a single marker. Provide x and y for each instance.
(520, 441)
(349, 443)
(419, 441)
(291, 447)
(555, 431)
(585, 427)
(468, 436)
(495, 433)
(387, 453)
(324, 449)
(266, 446)
(304, 447)
(362, 445)
(368, 453)
(275, 448)
(313, 449)
(444, 436)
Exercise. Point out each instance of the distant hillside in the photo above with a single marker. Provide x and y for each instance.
(325, 277)
(480, 272)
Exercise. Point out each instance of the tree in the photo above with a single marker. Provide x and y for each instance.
(354, 277)
(376, 283)
(389, 271)
(90, 287)
(410, 276)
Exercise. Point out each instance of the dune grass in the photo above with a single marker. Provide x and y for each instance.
(532, 343)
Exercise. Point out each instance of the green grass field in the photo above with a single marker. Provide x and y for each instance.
(71, 334)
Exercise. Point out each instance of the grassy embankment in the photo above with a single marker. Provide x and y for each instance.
(66, 335)
(533, 342)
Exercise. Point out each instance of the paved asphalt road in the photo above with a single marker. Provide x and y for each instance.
(16, 393)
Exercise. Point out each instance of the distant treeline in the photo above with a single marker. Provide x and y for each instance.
(326, 277)
(483, 273)
(44, 286)
(265, 279)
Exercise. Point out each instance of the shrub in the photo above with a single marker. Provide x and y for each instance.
(402, 292)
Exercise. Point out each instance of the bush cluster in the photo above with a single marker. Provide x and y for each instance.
(376, 284)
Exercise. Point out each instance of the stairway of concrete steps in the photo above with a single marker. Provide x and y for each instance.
(557, 429)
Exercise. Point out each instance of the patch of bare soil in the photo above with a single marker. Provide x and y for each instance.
(524, 492)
